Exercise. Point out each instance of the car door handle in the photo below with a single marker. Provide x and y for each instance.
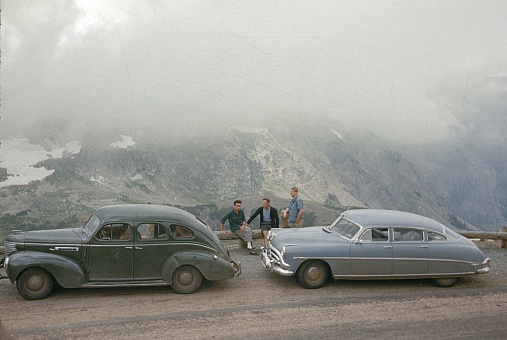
(138, 248)
(387, 247)
(423, 246)
(129, 247)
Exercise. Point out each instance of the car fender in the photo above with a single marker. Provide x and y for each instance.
(212, 266)
(68, 273)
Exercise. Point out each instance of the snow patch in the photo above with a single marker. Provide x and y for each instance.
(137, 177)
(124, 143)
(99, 179)
(19, 158)
(339, 135)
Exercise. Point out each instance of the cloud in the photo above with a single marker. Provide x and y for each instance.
(413, 73)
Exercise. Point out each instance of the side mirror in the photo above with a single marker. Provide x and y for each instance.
(358, 241)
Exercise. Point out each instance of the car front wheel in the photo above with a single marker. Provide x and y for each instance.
(447, 282)
(34, 284)
(313, 274)
(186, 280)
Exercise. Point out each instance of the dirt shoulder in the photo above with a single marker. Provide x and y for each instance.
(263, 303)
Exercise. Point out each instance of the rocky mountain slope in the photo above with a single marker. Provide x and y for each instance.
(333, 169)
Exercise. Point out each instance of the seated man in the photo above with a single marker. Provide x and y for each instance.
(237, 223)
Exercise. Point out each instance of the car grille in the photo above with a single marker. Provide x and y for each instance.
(275, 255)
(10, 247)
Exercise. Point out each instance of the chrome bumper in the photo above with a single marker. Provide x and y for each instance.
(237, 269)
(485, 266)
(271, 264)
(2, 265)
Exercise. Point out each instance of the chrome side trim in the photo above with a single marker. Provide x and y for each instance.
(53, 245)
(303, 258)
(202, 245)
(171, 244)
(402, 276)
(124, 284)
(65, 248)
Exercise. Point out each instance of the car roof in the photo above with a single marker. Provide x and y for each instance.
(379, 217)
(143, 211)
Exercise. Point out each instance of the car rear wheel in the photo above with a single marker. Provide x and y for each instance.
(313, 274)
(445, 282)
(34, 284)
(186, 280)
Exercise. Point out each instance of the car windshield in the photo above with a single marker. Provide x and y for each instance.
(91, 225)
(344, 228)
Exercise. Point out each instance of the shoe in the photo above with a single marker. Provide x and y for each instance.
(253, 252)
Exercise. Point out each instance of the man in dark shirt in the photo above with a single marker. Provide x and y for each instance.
(237, 223)
(268, 216)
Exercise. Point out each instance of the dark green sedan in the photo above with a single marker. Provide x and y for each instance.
(121, 245)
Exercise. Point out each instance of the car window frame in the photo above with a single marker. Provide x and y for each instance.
(170, 229)
(116, 240)
(366, 229)
(141, 222)
(427, 238)
(410, 228)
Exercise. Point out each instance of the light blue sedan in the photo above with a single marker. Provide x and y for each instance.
(369, 244)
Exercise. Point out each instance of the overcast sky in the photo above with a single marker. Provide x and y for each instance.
(410, 70)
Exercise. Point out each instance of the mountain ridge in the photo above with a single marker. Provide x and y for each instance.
(333, 169)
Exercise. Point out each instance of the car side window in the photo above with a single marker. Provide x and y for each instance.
(150, 231)
(115, 231)
(407, 234)
(436, 237)
(375, 235)
(181, 232)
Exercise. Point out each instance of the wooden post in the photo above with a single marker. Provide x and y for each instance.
(503, 242)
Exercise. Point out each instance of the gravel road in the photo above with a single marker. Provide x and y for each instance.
(262, 305)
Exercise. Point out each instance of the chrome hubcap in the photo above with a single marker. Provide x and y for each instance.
(36, 282)
(314, 273)
(186, 278)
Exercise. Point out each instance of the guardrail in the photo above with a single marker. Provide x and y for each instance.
(500, 237)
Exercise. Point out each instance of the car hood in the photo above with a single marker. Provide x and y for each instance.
(311, 235)
(53, 236)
